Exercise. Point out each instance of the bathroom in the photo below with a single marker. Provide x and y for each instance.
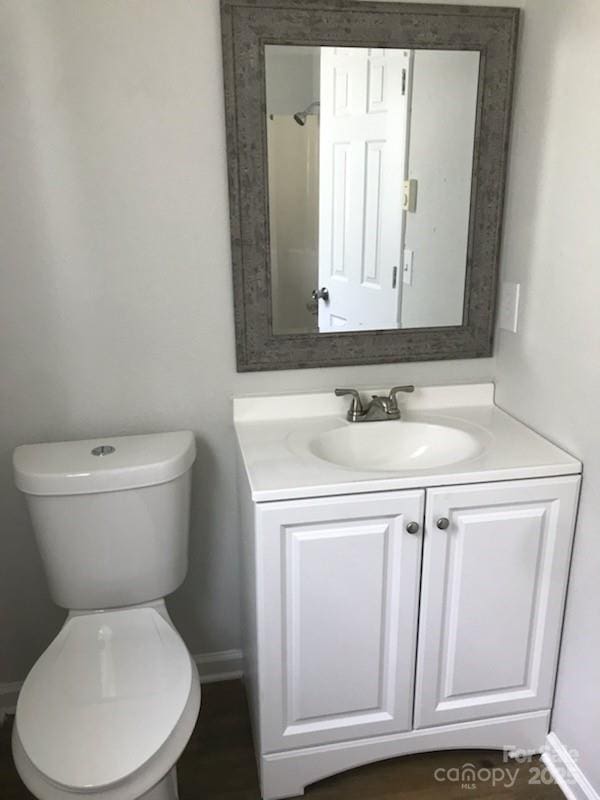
(118, 319)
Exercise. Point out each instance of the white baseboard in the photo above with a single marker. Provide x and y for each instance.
(566, 772)
(221, 666)
(225, 665)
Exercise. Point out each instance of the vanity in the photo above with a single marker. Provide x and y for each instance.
(404, 580)
(405, 561)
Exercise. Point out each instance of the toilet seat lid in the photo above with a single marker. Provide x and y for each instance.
(104, 697)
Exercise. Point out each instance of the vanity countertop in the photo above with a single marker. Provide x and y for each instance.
(276, 437)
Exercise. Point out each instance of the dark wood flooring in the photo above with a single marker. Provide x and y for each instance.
(218, 764)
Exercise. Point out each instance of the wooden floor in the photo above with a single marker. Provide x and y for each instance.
(218, 764)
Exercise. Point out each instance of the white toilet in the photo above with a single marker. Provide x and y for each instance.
(109, 706)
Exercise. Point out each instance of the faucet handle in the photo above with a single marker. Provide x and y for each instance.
(396, 390)
(356, 407)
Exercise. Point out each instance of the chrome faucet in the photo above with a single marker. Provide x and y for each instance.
(380, 407)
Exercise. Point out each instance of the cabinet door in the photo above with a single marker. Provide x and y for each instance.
(492, 598)
(338, 583)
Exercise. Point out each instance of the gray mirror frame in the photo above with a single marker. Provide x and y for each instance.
(247, 25)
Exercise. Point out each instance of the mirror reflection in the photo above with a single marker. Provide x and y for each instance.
(370, 160)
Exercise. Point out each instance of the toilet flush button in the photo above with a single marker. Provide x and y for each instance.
(103, 450)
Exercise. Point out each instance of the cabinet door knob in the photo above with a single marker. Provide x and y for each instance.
(443, 523)
(413, 527)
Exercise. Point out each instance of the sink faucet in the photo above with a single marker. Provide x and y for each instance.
(380, 407)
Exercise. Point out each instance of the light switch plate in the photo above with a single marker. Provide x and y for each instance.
(409, 199)
(508, 310)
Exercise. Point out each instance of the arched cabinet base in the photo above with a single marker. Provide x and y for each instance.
(287, 774)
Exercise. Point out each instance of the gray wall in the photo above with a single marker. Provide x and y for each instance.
(115, 288)
(549, 373)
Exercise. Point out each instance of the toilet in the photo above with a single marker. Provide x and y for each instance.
(110, 705)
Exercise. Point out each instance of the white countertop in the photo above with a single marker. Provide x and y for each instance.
(274, 435)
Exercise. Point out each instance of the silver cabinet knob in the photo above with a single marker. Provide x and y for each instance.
(443, 523)
(413, 527)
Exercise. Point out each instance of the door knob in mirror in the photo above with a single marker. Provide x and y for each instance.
(321, 294)
(443, 523)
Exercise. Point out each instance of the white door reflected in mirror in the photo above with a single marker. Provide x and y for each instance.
(347, 129)
(362, 145)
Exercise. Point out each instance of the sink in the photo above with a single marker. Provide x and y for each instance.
(401, 445)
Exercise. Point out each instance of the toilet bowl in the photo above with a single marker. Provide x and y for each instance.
(109, 706)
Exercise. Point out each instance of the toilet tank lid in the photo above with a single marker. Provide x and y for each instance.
(109, 464)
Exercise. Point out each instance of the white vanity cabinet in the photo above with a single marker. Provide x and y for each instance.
(337, 624)
(492, 598)
(340, 593)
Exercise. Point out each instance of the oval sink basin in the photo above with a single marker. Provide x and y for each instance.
(385, 446)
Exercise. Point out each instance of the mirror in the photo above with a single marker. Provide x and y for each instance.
(367, 145)
(370, 161)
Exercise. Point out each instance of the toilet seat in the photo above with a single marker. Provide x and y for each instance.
(103, 698)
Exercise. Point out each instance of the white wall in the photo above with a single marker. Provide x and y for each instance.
(549, 373)
(292, 78)
(292, 85)
(442, 127)
(115, 288)
(293, 154)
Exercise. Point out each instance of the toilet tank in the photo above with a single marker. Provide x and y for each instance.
(111, 516)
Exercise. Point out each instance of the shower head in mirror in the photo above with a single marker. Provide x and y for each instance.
(301, 116)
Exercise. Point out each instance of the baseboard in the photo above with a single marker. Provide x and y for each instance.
(566, 772)
(225, 665)
(8, 698)
(221, 666)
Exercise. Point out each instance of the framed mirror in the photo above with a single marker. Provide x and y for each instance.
(367, 148)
